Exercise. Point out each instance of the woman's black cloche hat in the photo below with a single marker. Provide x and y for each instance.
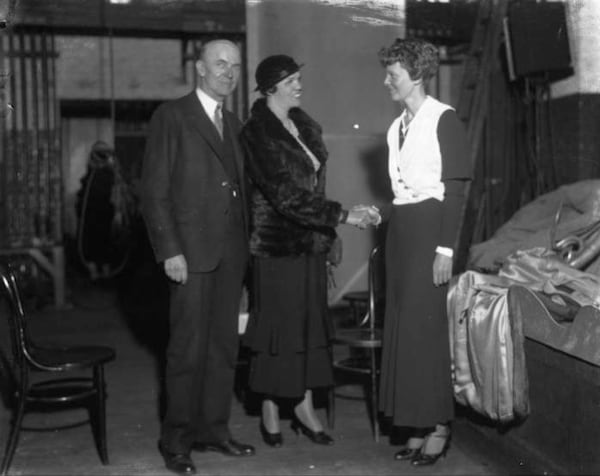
(273, 69)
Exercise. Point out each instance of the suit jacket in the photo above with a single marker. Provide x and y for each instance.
(185, 189)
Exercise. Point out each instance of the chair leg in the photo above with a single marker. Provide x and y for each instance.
(331, 408)
(13, 438)
(100, 412)
(374, 395)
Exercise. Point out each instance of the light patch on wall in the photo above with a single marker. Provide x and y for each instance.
(171, 4)
(383, 5)
(373, 21)
(588, 54)
(583, 20)
(389, 12)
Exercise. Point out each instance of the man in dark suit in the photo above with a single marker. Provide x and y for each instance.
(193, 205)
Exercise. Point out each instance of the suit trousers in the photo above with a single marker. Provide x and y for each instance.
(202, 350)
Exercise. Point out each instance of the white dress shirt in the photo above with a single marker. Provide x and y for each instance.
(209, 104)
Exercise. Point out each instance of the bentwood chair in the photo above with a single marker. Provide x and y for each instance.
(358, 302)
(364, 341)
(32, 362)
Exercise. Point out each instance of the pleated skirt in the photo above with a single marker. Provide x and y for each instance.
(289, 331)
(415, 386)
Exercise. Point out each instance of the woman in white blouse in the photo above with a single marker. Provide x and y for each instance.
(428, 169)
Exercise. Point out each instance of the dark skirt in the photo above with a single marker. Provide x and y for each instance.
(289, 330)
(416, 386)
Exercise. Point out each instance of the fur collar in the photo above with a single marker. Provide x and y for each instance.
(264, 123)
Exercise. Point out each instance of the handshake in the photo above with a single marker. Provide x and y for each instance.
(362, 216)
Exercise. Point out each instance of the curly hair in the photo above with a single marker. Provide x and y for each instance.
(420, 58)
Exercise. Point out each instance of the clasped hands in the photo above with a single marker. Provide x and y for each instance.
(362, 216)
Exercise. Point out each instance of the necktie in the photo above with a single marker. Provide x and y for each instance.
(402, 134)
(218, 120)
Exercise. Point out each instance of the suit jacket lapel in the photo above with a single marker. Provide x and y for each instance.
(197, 115)
(200, 120)
(233, 134)
(231, 124)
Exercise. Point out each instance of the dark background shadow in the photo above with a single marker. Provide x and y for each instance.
(142, 295)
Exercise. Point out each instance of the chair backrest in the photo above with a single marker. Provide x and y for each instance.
(16, 316)
(376, 287)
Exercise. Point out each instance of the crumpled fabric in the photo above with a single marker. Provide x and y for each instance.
(486, 338)
(543, 270)
(534, 225)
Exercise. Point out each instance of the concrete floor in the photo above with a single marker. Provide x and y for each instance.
(129, 315)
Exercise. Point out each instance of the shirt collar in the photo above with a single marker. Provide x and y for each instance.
(404, 122)
(209, 104)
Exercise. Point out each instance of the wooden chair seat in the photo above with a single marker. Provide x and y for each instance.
(61, 388)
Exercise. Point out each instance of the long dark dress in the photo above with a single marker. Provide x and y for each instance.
(416, 387)
(289, 330)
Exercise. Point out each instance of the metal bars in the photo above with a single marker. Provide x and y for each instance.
(30, 165)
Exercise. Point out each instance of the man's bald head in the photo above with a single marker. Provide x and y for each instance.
(218, 67)
(209, 46)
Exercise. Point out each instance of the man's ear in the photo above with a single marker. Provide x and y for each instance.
(200, 68)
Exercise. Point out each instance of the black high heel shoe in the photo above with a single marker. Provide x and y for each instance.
(406, 453)
(272, 439)
(318, 437)
(424, 459)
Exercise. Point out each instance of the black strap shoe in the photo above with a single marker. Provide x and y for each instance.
(179, 463)
(412, 448)
(406, 453)
(228, 447)
(425, 459)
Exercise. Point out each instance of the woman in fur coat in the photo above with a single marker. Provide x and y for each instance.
(292, 230)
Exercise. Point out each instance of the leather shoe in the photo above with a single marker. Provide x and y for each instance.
(228, 447)
(179, 463)
(318, 437)
(406, 453)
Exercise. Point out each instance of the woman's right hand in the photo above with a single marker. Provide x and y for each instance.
(442, 269)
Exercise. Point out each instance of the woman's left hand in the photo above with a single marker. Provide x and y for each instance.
(442, 269)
